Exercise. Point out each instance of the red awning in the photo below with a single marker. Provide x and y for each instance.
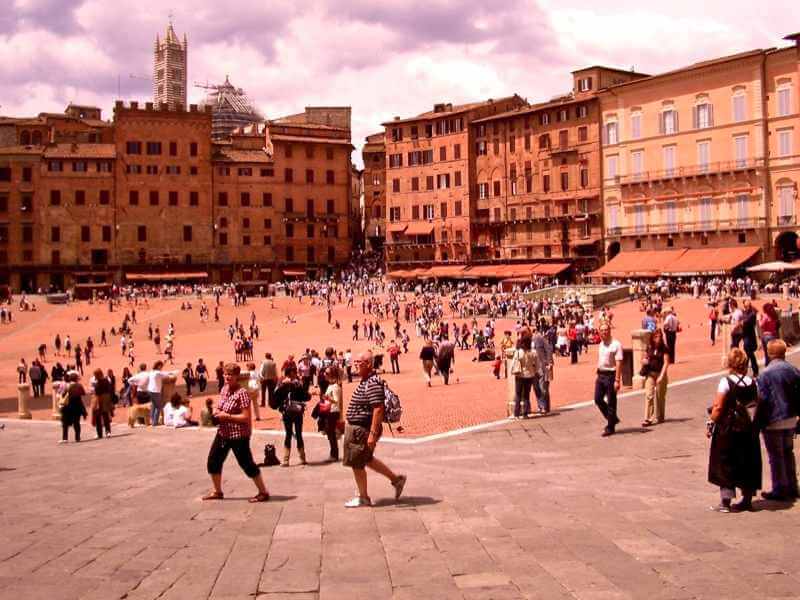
(396, 227)
(551, 269)
(294, 273)
(643, 263)
(419, 229)
(165, 276)
(485, 271)
(710, 261)
(454, 271)
(518, 270)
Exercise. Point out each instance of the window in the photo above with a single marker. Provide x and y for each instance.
(427, 157)
(480, 148)
(55, 233)
(457, 179)
(483, 190)
(397, 134)
(289, 205)
(584, 177)
(288, 175)
(582, 111)
(637, 163)
(105, 197)
(187, 233)
(395, 161)
(443, 181)
(309, 151)
(740, 150)
(427, 211)
(668, 122)
(611, 167)
(141, 233)
(193, 149)
(80, 166)
(224, 171)
(3, 203)
(414, 132)
(311, 255)
(456, 151)
(55, 166)
(443, 153)
(394, 213)
(194, 198)
(222, 199)
(563, 138)
(496, 188)
(309, 175)
(106, 233)
(527, 143)
(742, 209)
(289, 253)
(705, 213)
(739, 111)
(267, 223)
(55, 197)
(395, 185)
(152, 169)
(310, 231)
(785, 204)
(27, 174)
(671, 216)
(153, 148)
(329, 177)
(103, 166)
(223, 222)
(244, 199)
(80, 197)
(583, 134)
(173, 148)
(133, 147)
(223, 238)
(55, 257)
(544, 141)
(289, 230)
(415, 184)
(512, 144)
(703, 115)
(266, 199)
(784, 100)
(584, 84)
(429, 182)
(443, 210)
(544, 119)
(428, 130)
(564, 181)
(310, 207)
(545, 183)
(563, 115)
(245, 171)
(669, 160)
(267, 240)
(153, 197)
(703, 155)
(785, 142)
(611, 133)
(267, 172)
(638, 218)
(636, 126)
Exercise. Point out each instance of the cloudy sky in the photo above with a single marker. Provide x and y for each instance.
(382, 57)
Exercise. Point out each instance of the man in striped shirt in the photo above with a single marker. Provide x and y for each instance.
(362, 431)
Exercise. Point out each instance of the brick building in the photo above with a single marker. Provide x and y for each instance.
(430, 170)
(701, 165)
(374, 176)
(149, 196)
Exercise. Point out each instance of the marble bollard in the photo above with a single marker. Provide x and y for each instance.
(23, 401)
(640, 338)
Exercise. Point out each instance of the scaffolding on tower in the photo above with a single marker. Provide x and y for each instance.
(231, 109)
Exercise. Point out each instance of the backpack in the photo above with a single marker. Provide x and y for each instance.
(393, 410)
(270, 457)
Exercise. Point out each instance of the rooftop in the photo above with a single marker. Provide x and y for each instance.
(81, 151)
(444, 110)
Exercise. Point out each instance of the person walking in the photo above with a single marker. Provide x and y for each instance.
(735, 455)
(292, 395)
(609, 377)
(749, 336)
(544, 364)
(671, 328)
(713, 319)
(332, 420)
(188, 378)
(394, 357)
(268, 376)
(234, 428)
(768, 322)
(220, 374)
(363, 430)
(779, 392)
(72, 407)
(201, 372)
(101, 405)
(524, 368)
(445, 358)
(427, 355)
(654, 369)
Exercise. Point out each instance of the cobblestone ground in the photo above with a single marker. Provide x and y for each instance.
(543, 508)
(473, 397)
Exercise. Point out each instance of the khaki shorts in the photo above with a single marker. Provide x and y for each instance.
(356, 453)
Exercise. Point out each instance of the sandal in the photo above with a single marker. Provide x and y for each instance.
(214, 495)
(647, 423)
(259, 498)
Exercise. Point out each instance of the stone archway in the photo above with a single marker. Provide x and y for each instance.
(786, 246)
(613, 250)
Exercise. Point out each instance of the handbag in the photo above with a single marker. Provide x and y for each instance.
(292, 407)
(516, 366)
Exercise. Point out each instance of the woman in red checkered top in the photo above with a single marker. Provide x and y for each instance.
(233, 419)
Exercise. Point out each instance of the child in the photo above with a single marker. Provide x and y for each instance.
(206, 419)
(496, 367)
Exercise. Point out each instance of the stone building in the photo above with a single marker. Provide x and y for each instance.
(374, 176)
(170, 62)
(430, 171)
(701, 165)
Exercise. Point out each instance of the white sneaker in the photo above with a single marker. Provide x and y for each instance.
(358, 501)
(62, 441)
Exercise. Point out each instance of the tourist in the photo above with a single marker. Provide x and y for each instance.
(291, 396)
(101, 405)
(769, 323)
(22, 371)
(544, 365)
(735, 454)
(524, 368)
(234, 429)
(188, 378)
(394, 357)
(506, 344)
(38, 376)
(609, 377)
(152, 381)
(201, 372)
(671, 328)
(57, 345)
(72, 407)
(445, 357)
(220, 374)
(57, 373)
(268, 378)
(362, 432)
(713, 319)
(736, 316)
(779, 390)
(332, 420)
(427, 354)
(654, 369)
(749, 336)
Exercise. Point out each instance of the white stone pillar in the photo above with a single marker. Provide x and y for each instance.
(23, 400)
(640, 338)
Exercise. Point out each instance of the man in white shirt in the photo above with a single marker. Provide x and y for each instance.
(609, 377)
(671, 326)
(152, 382)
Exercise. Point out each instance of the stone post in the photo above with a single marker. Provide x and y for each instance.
(23, 400)
(56, 393)
(167, 388)
(640, 338)
(785, 290)
(510, 382)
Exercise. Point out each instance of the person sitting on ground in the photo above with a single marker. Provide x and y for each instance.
(181, 412)
(207, 414)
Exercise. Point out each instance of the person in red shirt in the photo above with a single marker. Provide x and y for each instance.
(394, 356)
(572, 336)
(233, 419)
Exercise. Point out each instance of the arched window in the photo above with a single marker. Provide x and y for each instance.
(703, 112)
(25, 138)
(36, 138)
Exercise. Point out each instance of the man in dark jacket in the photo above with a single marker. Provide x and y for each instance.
(749, 336)
(779, 390)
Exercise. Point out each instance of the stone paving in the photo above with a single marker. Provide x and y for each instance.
(536, 509)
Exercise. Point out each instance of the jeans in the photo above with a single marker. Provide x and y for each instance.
(395, 361)
(444, 369)
(750, 346)
(573, 351)
(102, 421)
(764, 341)
(267, 390)
(201, 384)
(293, 421)
(782, 466)
(604, 388)
(522, 395)
(71, 421)
(713, 332)
(156, 408)
(541, 387)
(670, 338)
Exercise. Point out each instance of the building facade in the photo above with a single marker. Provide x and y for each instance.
(705, 157)
(170, 62)
(430, 171)
(152, 196)
(374, 177)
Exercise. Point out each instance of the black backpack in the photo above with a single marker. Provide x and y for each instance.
(270, 456)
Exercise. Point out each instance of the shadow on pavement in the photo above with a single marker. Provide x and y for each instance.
(772, 505)
(407, 501)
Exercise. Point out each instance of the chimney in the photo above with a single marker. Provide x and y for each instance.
(148, 106)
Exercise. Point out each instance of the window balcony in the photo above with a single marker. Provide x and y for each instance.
(712, 168)
(787, 221)
(702, 226)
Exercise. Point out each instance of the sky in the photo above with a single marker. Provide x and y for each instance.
(382, 57)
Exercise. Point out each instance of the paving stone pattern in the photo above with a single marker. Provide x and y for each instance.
(537, 509)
